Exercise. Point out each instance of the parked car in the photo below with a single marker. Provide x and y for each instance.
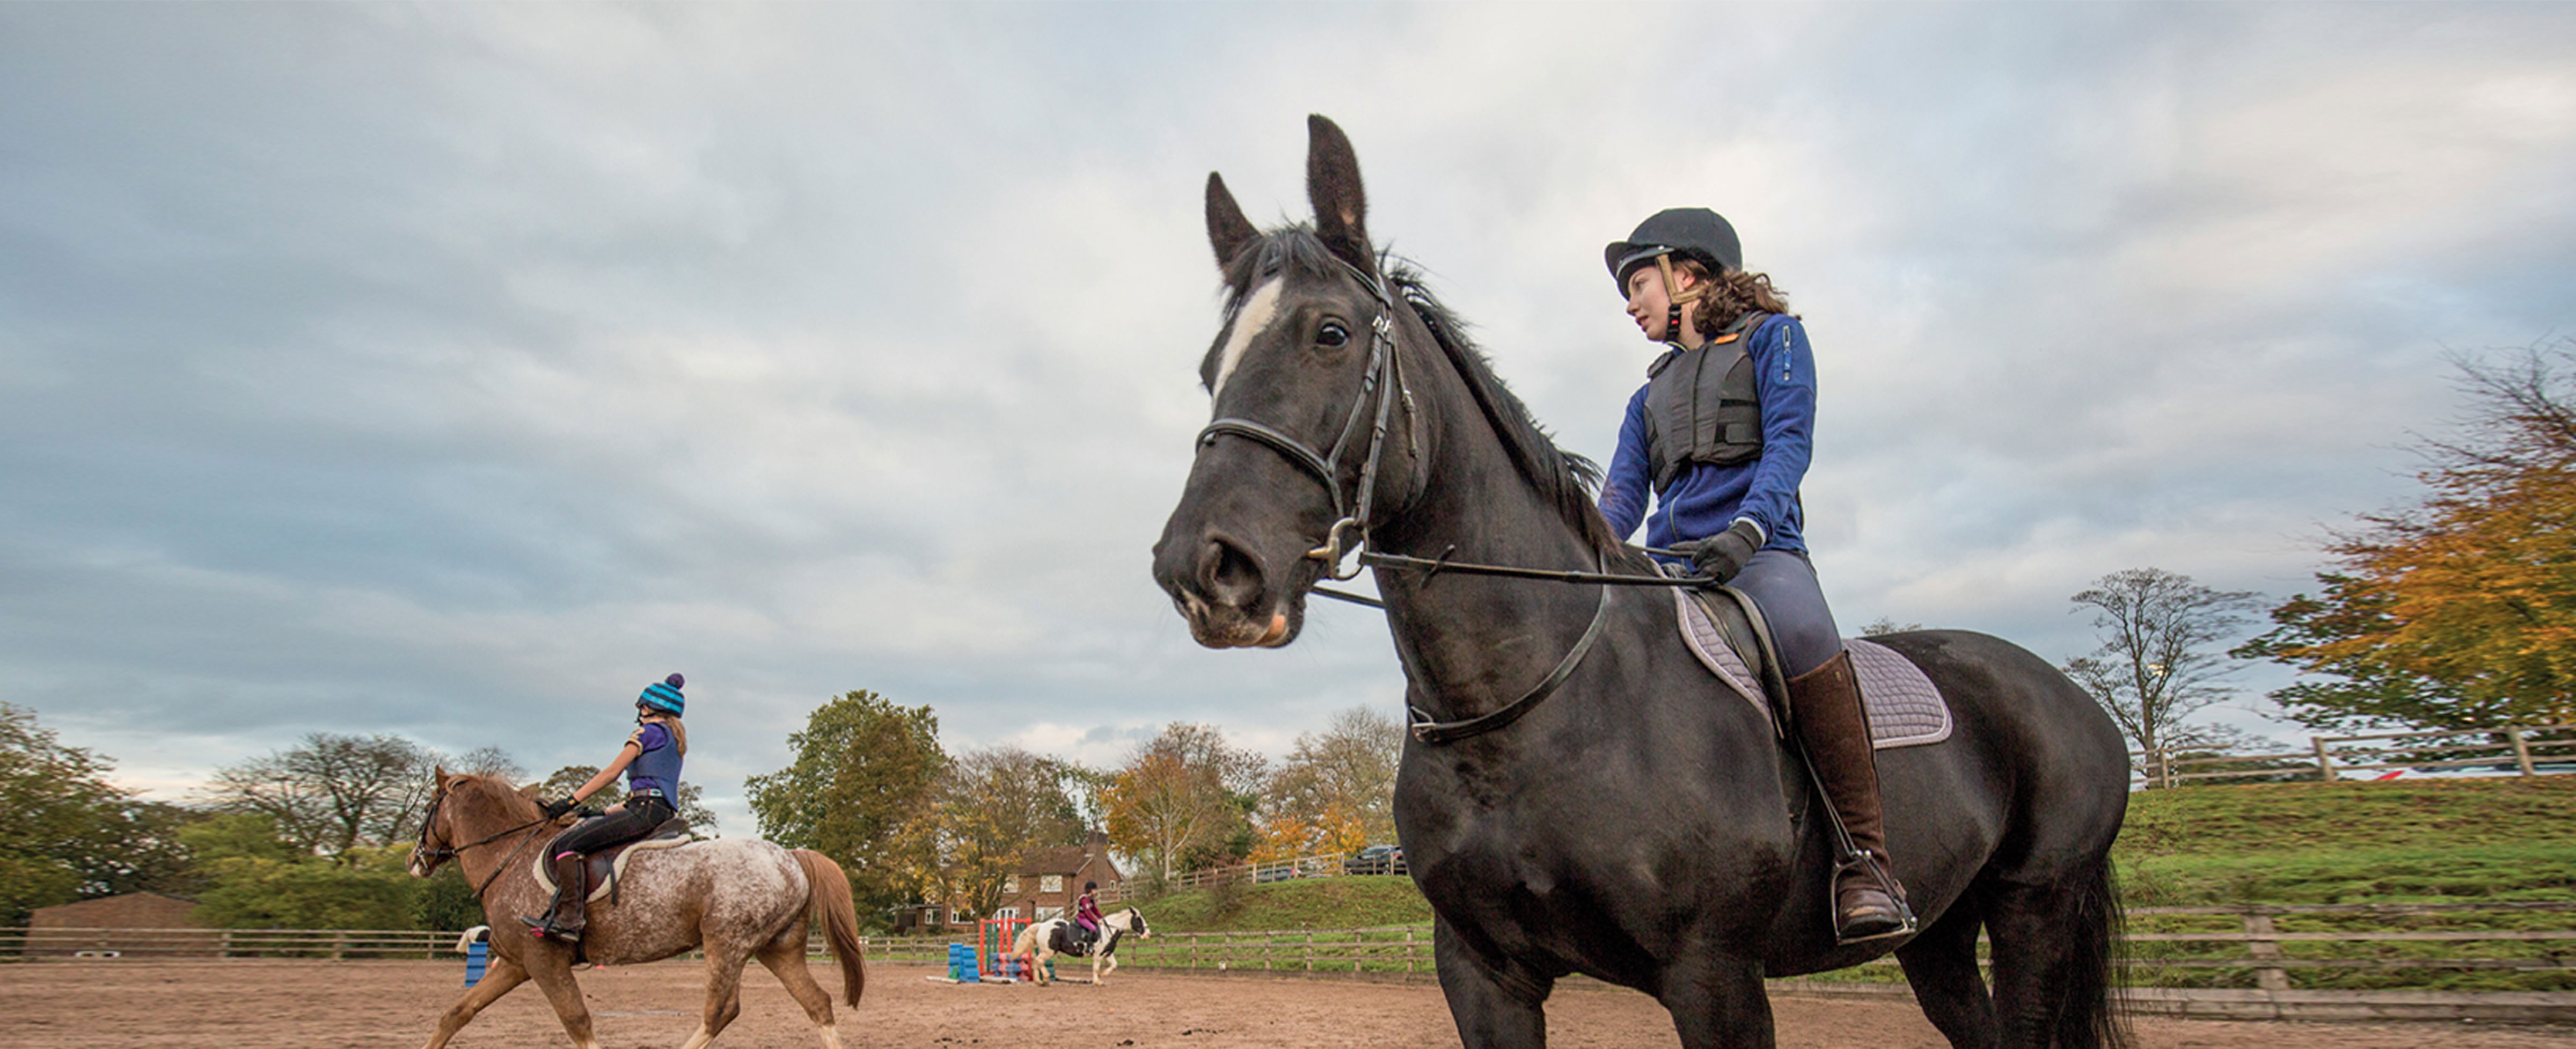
(1376, 859)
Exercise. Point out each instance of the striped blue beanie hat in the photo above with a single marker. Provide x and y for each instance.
(664, 696)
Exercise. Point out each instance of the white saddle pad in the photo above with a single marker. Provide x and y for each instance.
(1904, 709)
(616, 868)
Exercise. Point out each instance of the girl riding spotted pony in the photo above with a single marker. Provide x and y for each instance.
(651, 762)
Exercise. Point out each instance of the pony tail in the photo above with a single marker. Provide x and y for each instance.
(679, 734)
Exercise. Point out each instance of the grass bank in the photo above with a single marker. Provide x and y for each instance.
(2423, 841)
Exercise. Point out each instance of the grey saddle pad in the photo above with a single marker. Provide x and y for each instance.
(1904, 709)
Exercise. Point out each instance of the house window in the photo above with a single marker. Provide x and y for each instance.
(1011, 885)
(1045, 913)
(1007, 913)
(1051, 883)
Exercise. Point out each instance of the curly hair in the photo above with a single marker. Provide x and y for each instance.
(1730, 296)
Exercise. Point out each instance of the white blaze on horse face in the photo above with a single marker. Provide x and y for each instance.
(1259, 309)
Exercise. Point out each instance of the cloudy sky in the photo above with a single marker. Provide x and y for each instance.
(453, 370)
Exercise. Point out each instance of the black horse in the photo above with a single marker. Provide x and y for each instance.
(1635, 827)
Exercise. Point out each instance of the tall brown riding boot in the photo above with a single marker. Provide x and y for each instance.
(563, 921)
(1825, 706)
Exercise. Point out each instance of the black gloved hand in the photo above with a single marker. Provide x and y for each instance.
(1721, 556)
(555, 810)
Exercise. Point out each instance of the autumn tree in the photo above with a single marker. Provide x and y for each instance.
(2158, 661)
(1184, 797)
(332, 793)
(1336, 791)
(2458, 612)
(995, 806)
(863, 790)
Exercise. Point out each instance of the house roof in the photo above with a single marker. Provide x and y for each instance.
(1062, 859)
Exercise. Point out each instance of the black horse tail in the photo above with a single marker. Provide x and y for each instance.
(2097, 973)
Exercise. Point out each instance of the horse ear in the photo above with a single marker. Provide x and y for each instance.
(530, 791)
(1333, 185)
(1228, 230)
(438, 774)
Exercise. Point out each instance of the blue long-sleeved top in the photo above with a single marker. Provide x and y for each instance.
(1705, 499)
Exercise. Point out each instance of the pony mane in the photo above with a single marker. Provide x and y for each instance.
(1570, 482)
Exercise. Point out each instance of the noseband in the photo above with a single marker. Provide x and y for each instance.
(1384, 372)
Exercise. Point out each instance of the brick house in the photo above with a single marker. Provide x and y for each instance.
(1045, 887)
(102, 923)
(1050, 879)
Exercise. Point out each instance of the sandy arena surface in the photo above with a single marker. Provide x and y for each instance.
(276, 1004)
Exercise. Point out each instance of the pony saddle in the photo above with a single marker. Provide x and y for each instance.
(1070, 938)
(605, 869)
(1724, 629)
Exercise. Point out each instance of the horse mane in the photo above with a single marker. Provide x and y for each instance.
(1569, 482)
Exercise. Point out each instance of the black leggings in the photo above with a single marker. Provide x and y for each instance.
(636, 820)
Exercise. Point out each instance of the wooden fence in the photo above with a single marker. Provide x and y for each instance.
(2526, 750)
(336, 944)
(2265, 947)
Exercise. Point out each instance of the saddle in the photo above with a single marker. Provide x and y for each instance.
(605, 869)
(1071, 940)
(1724, 629)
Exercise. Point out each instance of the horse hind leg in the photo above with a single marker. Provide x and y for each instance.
(785, 958)
(2054, 962)
(724, 992)
(1941, 965)
(499, 978)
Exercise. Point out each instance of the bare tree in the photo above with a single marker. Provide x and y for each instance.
(1336, 791)
(487, 761)
(332, 793)
(2160, 658)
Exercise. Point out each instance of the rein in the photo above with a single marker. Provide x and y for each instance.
(447, 852)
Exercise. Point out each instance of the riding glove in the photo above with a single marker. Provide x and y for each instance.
(1721, 556)
(555, 810)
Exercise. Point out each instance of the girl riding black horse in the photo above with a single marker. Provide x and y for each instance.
(651, 761)
(1721, 433)
(1637, 827)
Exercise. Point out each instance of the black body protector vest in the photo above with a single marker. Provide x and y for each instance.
(1702, 406)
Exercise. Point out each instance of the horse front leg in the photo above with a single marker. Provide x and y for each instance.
(1493, 1009)
(499, 977)
(551, 967)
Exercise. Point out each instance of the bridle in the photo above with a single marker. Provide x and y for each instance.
(442, 852)
(1383, 380)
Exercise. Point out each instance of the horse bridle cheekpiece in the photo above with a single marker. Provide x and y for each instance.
(1383, 380)
(443, 852)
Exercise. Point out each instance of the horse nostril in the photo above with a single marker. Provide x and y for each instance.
(1231, 576)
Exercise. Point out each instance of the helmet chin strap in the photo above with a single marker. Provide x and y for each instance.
(1674, 295)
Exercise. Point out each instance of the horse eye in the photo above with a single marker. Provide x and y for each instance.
(1332, 334)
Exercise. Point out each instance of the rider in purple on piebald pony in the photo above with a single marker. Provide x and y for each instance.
(651, 762)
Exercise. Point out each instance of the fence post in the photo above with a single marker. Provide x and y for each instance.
(1310, 950)
(2325, 761)
(2521, 748)
(339, 945)
(2263, 948)
(225, 950)
(1408, 951)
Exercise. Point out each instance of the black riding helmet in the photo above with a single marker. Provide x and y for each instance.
(1688, 232)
